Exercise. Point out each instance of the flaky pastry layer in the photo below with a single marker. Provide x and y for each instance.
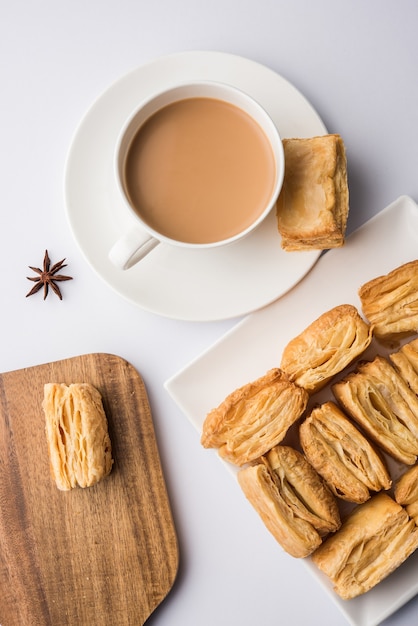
(390, 302)
(77, 434)
(342, 455)
(254, 418)
(303, 489)
(378, 399)
(326, 347)
(372, 542)
(405, 361)
(296, 536)
(312, 207)
(406, 492)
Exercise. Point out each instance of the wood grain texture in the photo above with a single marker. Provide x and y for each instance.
(105, 555)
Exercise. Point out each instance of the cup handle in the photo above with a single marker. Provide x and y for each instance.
(131, 248)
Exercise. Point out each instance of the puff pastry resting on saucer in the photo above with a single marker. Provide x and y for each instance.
(292, 500)
(390, 302)
(77, 434)
(312, 208)
(406, 492)
(378, 399)
(254, 418)
(326, 347)
(373, 541)
(405, 361)
(342, 455)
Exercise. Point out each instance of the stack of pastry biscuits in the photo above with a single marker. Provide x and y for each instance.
(344, 445)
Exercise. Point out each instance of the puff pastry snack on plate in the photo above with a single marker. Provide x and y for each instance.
(378, 399)
(291, 499)
(312, 208)
(405, 361)
(372, 542)
(406, 492)
(326, 347)
(342, 455)
(77, 434)
(390, 302)
(254, 418)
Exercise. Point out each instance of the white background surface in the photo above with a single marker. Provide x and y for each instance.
(357, 64)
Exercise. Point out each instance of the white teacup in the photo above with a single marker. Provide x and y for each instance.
(198, 165)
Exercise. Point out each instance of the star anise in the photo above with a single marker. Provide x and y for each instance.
(47, 277)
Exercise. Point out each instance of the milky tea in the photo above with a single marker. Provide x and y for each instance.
(199, 170)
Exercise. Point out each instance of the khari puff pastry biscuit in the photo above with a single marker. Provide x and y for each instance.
(390, 302)
(292, 500)
(77, 434)
(303, 489)
(254, 418)
(372, 542)
(405, 361)
(312, 208)
(326, 347)
(342, 455)
(378, 399)
(406, 492)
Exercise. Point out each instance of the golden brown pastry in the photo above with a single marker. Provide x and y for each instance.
(412, 510)
(390, 302)
(77, 434)
(296, 536)
(254, 418)
(292, 500)
(405, 361)
(312, 208)
(378, 399)
(372, 542)
(303, 489)
(326, 347)
(406, 492)
(342, 455)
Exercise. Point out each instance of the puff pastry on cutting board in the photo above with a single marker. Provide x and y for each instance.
(76, 428)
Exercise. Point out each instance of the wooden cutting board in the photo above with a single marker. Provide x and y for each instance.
(106, 555)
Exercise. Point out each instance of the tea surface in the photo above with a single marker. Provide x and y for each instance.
(200, 170)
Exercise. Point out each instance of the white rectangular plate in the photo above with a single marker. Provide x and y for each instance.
(255, 345)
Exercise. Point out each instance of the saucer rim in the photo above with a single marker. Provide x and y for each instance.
(82, 186)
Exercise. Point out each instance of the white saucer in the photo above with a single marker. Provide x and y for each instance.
(183, 284)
